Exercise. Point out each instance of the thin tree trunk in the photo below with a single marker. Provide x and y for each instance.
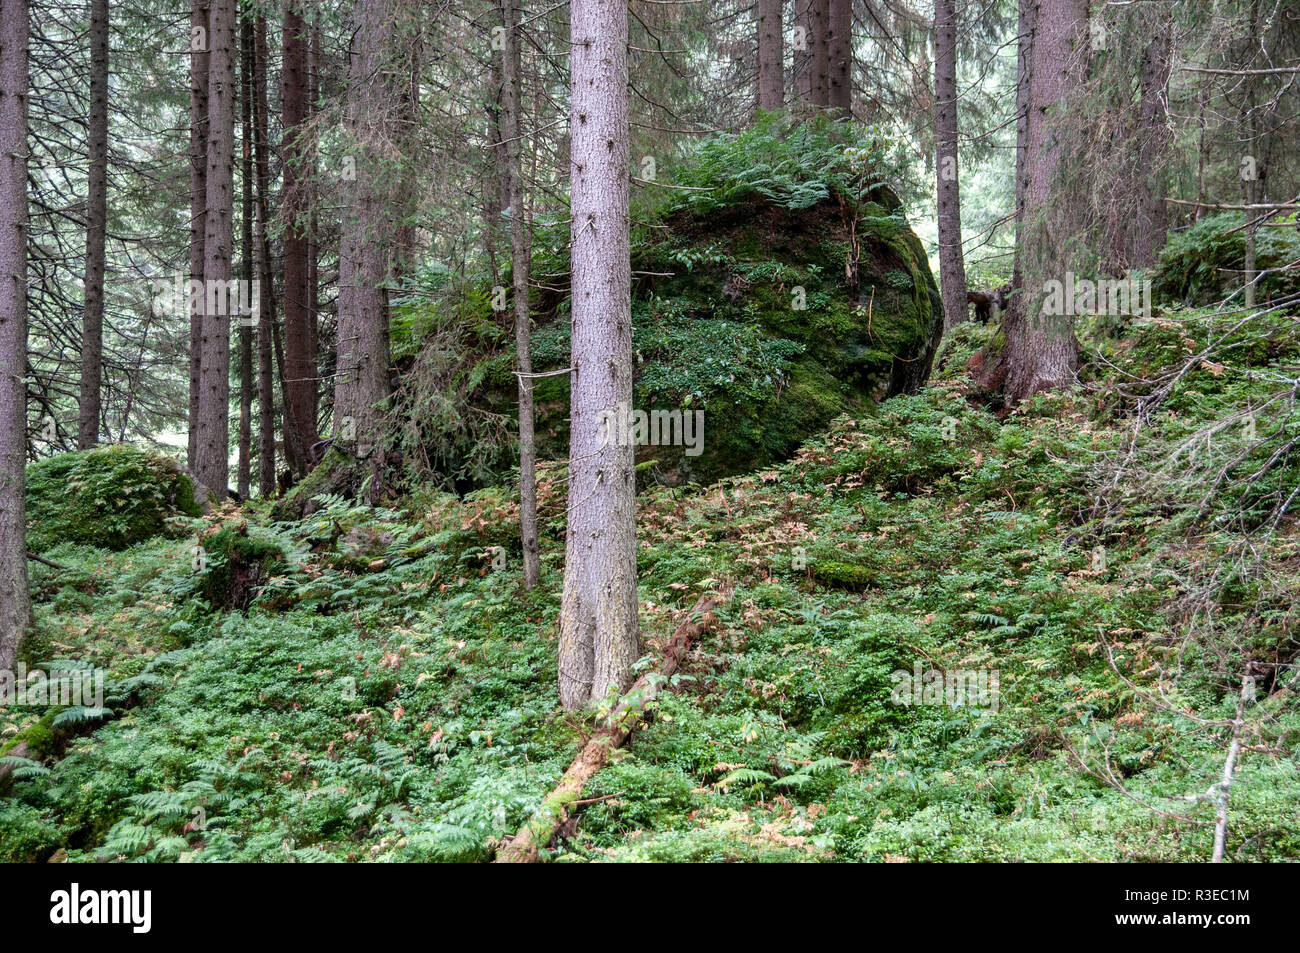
(300, 360)
(266, 277)
(313, 247)
(1202, 146)
(15, 601)
(1040, 352)
(952, 269)
(494, 194)
(771, 56)
(802, 36)
(213, 469)
(1152, 221)
(599, 638)
(513, 199)
(366, 243)
(406, 240)
(839, 44)
(92, 321)
(199, 47)
(1024, 67)
(248, 254)
(1251, 186)
(819, 47)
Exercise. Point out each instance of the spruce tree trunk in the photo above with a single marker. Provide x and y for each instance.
(313, 247)
(266, 311)
(599, 639)
(819, 15)
(839, 45)
(366, 243)
(1024, 66)
(15, 601)
(299, 357)
(248, 255)
(771, 69)
(952, 269)
(1154, 135)
(520, 222)
(213, 469)
(1040, 351)
(92, 320)
(199, 47)
(802, 37)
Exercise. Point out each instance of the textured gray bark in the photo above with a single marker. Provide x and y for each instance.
(1154, 134)
(1024, 65)
(839, 46)
(520, 222)
(92, 318)
(1041, 352)
(266, 311)
(198, 202)
(952, 269)
(248, 255)
(299, 353)
(213, 465)
(771, 71)
(599, 638)
(15, 601)
(366, 244)
(802, 44)
(819, 14)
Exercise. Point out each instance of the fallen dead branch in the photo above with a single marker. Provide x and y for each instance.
(538, 830)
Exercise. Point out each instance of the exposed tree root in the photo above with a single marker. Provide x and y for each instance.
(541, 828)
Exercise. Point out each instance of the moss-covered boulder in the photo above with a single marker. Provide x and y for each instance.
(111, 497)
(777, 288)
(769, 320)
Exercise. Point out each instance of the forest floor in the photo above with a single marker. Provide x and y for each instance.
(391, 696)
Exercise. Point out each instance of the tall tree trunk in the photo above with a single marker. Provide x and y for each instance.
(1152, 221)
(92, 319)
(199, 46)
(520, 222)
(1252, 186)
(1202, 145)
(839, 46)
(213, 469)
(266, 277)
(366, 243)
(313, 246)
(1024, 67)
(771, 56)
(15, 601)
(300, 359)
(248, 255)
(494, 193)
(819, 15)
(1040, 352)
(802, 38)
(405, 236)
(599, 638)
(952, 269)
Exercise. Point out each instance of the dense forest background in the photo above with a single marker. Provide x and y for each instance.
(649, 429)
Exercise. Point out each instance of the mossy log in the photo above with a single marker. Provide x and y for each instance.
(338, 472)
(556, 808)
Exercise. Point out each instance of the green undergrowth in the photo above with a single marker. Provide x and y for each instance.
(388, 694)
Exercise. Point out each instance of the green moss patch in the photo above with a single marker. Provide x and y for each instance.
(110, 497)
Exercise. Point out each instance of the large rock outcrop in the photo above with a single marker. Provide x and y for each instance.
(770, 320)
